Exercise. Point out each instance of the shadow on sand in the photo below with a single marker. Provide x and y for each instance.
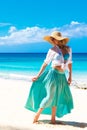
(68, 123)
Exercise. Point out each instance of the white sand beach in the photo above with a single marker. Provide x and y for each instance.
(13, 115)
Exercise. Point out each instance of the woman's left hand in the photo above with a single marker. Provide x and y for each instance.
(69, 80)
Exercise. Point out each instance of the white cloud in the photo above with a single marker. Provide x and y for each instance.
(12, 29)
(74, 23)
(5, 24)
(75, 30)
(35, 34)
(27, 35)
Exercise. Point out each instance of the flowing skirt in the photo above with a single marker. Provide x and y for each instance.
(51, 89)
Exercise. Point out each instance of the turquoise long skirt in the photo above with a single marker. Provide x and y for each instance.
(51, 89)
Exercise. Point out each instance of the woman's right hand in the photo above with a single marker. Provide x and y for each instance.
(40, 72)
(34, 78)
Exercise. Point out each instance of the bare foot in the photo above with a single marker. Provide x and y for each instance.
(37, 115)
(36, 119)
(53, 122)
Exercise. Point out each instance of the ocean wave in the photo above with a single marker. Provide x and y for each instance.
(76, 83)
(16, 76)
(81, 84)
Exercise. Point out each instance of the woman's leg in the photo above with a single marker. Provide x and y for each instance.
(37, 115)
(53, 115)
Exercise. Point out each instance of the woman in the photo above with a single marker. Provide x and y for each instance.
(50, 89)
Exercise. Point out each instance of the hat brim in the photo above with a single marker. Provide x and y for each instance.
(48, 38)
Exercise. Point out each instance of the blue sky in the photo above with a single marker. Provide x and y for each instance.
(23, 23)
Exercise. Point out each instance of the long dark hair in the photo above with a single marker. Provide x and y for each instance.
(64, 48)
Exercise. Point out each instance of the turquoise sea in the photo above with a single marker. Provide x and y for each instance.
(23, 65)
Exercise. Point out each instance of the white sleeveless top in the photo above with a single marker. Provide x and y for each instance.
(55, 56)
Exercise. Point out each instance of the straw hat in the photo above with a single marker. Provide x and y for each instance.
(58, 36)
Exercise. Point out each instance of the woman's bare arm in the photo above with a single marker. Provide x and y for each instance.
(70, 73)
(40, 72)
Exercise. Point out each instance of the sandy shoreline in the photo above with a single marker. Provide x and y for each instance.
(13, 115)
